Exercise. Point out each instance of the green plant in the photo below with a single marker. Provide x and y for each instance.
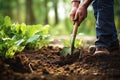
(67, 43)
(15, 37)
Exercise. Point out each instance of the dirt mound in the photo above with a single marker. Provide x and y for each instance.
(48, 64)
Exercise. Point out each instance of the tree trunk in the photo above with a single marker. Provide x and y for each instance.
(55, 3)
(18, 11)
(6, 8)
(30, 18)
(46, 11)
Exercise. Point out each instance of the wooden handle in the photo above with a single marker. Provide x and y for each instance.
(74, 36)
(75, 29)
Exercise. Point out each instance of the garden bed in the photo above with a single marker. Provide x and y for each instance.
(48, 64)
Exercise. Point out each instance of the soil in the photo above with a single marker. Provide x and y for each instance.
(48, 64)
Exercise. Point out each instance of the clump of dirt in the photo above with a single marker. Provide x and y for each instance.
(48, 64)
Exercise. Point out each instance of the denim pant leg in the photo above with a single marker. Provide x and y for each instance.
(106, 33)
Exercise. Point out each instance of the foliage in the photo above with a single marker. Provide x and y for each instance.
(15, 37)
(67, 46)
(67, 43)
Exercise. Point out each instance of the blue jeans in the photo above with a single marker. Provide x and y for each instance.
(106, 33)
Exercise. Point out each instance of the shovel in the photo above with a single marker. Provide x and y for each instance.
(74, 36)
(70, 54)
(71, 50)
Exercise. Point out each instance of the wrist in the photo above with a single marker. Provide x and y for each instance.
(86, 3)
(85, 6)
(75, 4)
(75, 1)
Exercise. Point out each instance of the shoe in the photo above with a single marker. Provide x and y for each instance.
(101, 50)
(92, 49)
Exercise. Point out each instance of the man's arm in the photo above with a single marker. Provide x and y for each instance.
(86, 3)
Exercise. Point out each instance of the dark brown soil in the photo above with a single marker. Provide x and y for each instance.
(48, 64)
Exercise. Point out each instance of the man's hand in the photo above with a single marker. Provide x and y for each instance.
(72, 13)
(75, 6)
(79, 13)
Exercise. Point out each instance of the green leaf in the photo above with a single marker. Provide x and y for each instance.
(16, 28)
(7, 21)
(18, 43)
(45, 29)
(23, 28)
(10, 52)
(20, 48)
(78, 43)
(33, 38)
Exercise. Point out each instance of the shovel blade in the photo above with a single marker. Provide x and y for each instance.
(72, 44)
(69, 59)
(66, 51)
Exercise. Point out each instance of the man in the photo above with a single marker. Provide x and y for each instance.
(106, 33)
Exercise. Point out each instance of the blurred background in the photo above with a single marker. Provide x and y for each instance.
(52, 12)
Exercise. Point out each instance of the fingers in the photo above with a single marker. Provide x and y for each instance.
(78, 18)
(78, 15)
(72, 16)
(73, 13)
(75, 18)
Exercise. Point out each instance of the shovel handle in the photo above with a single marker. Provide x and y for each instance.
(74, 36)
(75, 29)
